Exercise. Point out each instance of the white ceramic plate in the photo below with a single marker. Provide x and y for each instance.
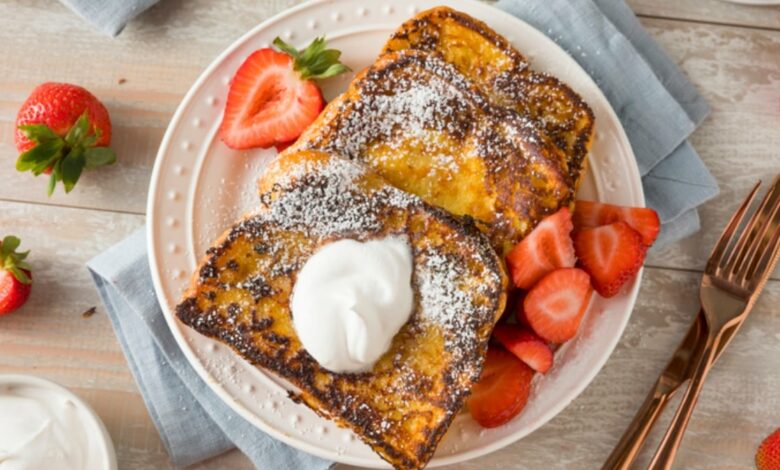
(199, 187)
(105, 457)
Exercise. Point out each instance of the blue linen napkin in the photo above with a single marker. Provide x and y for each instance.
(658, 107)
(193, 422)
(109, 16)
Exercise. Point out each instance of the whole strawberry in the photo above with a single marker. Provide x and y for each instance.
(62, 130)
(15, 276)
(768, 455)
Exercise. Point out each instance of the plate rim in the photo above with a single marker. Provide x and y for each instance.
(152, 221)
(106, 443)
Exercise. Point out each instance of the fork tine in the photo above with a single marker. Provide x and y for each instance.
(767, 263)
(762, 241)
(719, 251)
(767, 251)
(748, 236)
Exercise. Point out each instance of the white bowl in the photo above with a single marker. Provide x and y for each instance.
(104, 457)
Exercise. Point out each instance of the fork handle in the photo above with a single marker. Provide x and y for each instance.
(634, 438)
(667, 450)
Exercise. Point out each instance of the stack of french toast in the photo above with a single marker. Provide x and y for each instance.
(450, 139)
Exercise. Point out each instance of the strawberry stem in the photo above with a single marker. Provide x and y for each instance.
(13, 261)
(315, 62)
(66, 156)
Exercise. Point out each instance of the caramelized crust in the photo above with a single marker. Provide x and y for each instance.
(241, 296)
(428, 130)
(504, 75)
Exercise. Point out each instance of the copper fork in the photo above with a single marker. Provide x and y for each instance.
(733, 278)
(735, 274)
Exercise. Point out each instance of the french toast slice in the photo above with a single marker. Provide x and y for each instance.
(241, 292)
(428, 130)
(504, 75)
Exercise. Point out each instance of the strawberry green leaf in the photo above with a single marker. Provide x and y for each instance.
(315, 62)
(20, 275)
(41, 153)
(12, 261)
(52, 183)
(78, 131)
(38, 132)
(99, 156)
(333, 70)
(286, 48)
(40, 167)
(316, 48)
(56, 175)
(10, 244)
(67, 156)
(72, 166)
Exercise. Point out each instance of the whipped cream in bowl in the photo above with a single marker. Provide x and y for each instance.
(44, 426)
(350, 299)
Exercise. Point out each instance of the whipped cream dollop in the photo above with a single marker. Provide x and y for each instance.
(42, 428)
(351, 298)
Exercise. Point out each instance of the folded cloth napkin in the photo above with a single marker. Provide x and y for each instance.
(657, 106)
(109, 16)
(193, 422)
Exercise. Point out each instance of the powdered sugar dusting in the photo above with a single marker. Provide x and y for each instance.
(421, 123)
(448, 300)
(401, 104)
(326, 200)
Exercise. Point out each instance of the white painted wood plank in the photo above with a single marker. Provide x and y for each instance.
(712, 11)
(735, 68)
(49, 337)
(162, 53)
(738, 71)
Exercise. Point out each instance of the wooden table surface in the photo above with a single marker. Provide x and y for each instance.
(731, 52)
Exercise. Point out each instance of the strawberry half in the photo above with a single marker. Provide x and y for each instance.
(591, 214)
(15, 276)
(546, 248)
(611, 254)
(768, 454)
(62, 130)
(555, 306)
(502, 390)
(528, 347)
(273, 96)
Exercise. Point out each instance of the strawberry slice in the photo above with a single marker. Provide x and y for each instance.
(528, 347)
(591, 214)
(555, 306)
(273, 96)
(502, 390)
(611, 254)
(546, 248)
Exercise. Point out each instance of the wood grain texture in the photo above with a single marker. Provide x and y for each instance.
(710, 11)
(738, 71)
(161, 54)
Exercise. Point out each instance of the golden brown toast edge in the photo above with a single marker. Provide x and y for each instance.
(425, 449)
(506, 74)
(521, 206)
